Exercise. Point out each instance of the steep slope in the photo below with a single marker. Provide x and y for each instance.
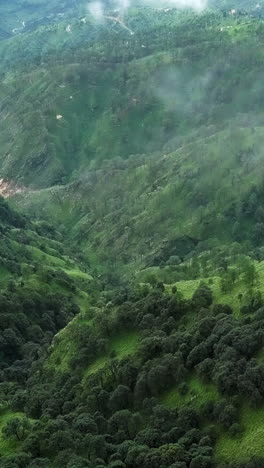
(137, 384)
(20, 17)
(42, 288)
(178, 149)
(139, 376)
(142, 212)
(135, 148)
(86, 108)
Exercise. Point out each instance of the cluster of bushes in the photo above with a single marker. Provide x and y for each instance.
(116, 417)
(28, 321)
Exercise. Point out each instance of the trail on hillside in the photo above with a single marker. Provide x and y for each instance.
(18, 30)
(121, 22)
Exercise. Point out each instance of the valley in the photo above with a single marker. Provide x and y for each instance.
(131, 235)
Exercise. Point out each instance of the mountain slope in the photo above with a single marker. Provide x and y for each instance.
(42, 288)
(18, 16)
(143, 212)
(131, 280)
(86, 108)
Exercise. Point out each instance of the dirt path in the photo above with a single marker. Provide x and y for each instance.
(119, 21)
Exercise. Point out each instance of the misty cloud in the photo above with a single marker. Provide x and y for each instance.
(180, 90)
(195, 4)
(97, 8)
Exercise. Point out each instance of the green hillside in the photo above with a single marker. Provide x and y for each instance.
(20, 17)
(154, 379)
(87, 109)
(42, 289)
(131, 234)
(154, 171)
(165, 210)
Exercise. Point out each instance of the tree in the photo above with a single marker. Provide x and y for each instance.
(178, 464)
(259, 214)
(157, 379)
(237, 232)
(150, 437)
(97, 447)
(39, 463)
(203, 296)
(126, 421)
(78, 462)
(84, 423)
(258, 234)
(117, 464)
(250, 274)
(205, 368)
(225, 413)
(19, 400)
(60, 440)
(20, 460)
(17, 427)
(120, 398)
(201, 461)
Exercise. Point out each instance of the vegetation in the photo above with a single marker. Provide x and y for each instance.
(132, 243)
(123, 401)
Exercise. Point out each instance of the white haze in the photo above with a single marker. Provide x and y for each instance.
(97, 7)
(195, 4)
(97, 10)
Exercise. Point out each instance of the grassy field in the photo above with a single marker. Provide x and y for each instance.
(187, 288)
(198, 394)
(7, 447)
(122, 345)
(228, 449)
(250, 443)
(41, 256)
(77, 274)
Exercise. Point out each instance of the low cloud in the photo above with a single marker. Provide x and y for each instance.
(97, 8)
(195, 4)
(181, 90)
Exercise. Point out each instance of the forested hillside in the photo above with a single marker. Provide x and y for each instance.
(140, 376)
(155, 171)
(131, 234)
(23, 16)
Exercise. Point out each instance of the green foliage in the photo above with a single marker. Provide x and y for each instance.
(123, 184)
(17, 427)
(195, 394)
(8, 445)
(120, 347)
(248, 443)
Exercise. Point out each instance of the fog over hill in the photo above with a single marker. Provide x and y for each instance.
(131, 234)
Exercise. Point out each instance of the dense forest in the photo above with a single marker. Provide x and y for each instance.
(131, 234)
(142, 377)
